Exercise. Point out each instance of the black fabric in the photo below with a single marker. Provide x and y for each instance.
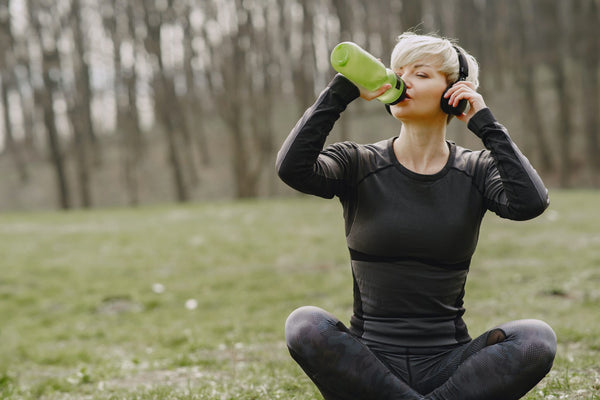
(359, 256)
(345, 367)
(411, 236)
(339, 364)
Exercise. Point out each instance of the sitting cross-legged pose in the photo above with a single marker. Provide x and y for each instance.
(413, 205)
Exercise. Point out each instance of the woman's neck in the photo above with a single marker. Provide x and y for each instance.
(422, 148)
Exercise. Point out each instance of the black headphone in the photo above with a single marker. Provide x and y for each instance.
(463, 73)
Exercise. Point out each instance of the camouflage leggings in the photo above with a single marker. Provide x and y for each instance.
(503, 363)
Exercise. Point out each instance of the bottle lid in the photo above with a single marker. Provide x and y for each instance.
(340, 55)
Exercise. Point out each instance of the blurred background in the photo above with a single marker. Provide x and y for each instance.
(128, 102)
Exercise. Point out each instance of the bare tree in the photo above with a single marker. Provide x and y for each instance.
(23, 88)
(303, 64)
(525, 79)
(556, 53)
(189, 64)
(345, 14)
(80, 114)
(8, 82)
(47, 33)
(167, 107)
(195, 109)
(411, 14)
(588, 49)
(240, 84)
(186, 143)
(119, 22)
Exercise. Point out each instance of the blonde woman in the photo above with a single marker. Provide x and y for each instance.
(413, 205)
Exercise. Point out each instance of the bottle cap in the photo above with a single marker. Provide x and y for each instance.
(340, 55)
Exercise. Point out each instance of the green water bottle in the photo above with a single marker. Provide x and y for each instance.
(360, 67)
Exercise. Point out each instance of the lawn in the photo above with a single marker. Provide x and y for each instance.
(189, 302)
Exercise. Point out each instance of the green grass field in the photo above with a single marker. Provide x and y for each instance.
(189, 302)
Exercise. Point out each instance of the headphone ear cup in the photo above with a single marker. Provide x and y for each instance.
(448, 109)
(444, 102)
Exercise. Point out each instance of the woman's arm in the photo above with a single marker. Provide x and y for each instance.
(300, 163)
(512, 189)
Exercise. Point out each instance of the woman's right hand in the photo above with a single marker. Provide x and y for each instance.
(370, 95)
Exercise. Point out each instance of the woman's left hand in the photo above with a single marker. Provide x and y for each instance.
(465, 90)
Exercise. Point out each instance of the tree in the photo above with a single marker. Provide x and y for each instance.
(251, 66)
(80, 113)
(411, 14)
(8, 82)
(558, 35)
(303, 54)
(588, 49)
(119, 21)
(50, 65)
(194, 102)
(167, 107)
(241, 84)
(525, 79)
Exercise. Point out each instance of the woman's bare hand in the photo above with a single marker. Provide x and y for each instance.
(370, 95)
(465, 90)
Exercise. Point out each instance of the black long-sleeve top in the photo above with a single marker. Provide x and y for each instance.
(410, 236)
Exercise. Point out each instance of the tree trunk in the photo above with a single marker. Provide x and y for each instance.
(303, 69)
(127, 121)
(45, 97)
(411, 14)
(8, 81)
(194, 104)
(346, 18)
(559, 52)
(83, 86)
(165, 105)
(47, 101)
(525, 78)
(590, 86)
(81, 154)
(245, 179)
(80, 111)
(12, 148)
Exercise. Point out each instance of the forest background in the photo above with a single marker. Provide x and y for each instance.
(129, 102)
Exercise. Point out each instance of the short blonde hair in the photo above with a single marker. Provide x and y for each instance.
(412, 47)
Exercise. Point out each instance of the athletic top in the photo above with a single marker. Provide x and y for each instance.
(410, 236)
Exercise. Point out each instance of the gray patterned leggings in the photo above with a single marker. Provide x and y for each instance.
(503, 363)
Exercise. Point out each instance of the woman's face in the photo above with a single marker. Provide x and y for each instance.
(425, 85)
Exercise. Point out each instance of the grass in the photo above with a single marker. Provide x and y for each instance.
(189, 302)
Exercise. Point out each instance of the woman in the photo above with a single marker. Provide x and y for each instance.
(413, 205)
